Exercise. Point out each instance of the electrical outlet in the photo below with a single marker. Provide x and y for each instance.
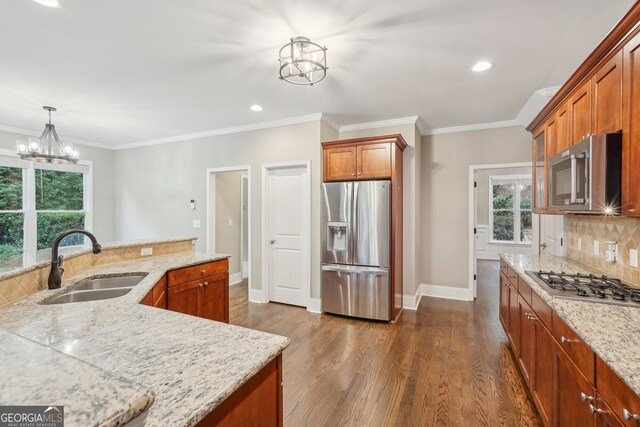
(596, 248)
(230, 224)
(196, 223)
(146, 251)
(633, 257)
(579, 243)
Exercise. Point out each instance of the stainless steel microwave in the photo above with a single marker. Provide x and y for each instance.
(586, 178)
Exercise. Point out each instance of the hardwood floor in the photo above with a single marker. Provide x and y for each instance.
(446, 364)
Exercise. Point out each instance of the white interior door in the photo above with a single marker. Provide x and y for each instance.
(287, 199)
(551, 233)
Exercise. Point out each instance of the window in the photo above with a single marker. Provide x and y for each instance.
(510, 209)
(38, 202)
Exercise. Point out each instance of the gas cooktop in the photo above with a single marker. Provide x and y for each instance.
(587, 287)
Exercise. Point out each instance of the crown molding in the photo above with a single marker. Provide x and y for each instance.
(379, 124)
(224, 131)
(468, 128)
(329, 122)
(31, 132)
(548, 91)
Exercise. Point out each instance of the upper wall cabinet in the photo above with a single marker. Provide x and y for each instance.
(539, 173)
(562, 128)
(631, 129)
(580, 114)
(362, 158)
(606, 92)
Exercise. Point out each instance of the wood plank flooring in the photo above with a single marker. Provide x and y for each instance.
(446, 364)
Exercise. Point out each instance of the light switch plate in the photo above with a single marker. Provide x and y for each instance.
(579, 243)
(196, 223)
(596, 247)
(146, 251)
(633, 257)
(230, 223)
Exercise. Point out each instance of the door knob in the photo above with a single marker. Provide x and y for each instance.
(272, 241)
(543, 245)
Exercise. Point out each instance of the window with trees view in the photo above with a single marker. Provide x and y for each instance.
(510, 209)
(38, 202)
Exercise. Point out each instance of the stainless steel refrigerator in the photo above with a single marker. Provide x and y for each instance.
(356, 246)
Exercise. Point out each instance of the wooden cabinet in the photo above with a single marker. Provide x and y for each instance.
(623, 402)
(157, 296)
(258, 402)
(525, 353)
(540, 201)
(206, 297)
(370, 158)
(541, 383)
(514, 319)
(580, 114)
(504, 302)
(551, 132)
(631, 128)
(572, 344)
(562, 128)
(606, 92)
(340, 163)
(573, 395)
(373, 161)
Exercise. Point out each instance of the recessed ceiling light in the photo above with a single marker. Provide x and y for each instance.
(48, 3)
(256, 107)
(482, 66)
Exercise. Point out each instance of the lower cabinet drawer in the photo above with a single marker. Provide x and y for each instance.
(579, 352)
(195, 272)
(622, 400)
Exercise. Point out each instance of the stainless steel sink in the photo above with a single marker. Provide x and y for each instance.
(95, 295)
(99, 288)
(127, 281)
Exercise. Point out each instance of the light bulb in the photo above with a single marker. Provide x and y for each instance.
(33, 146)
(21, 147)
(75, 154)
(68, 149)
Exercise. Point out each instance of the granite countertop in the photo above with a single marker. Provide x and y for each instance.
(190, 364)
(610, 330)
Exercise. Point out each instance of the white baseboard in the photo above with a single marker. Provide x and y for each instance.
(411, 302)
(245, 269)
(256, 295)
(235, 278)
(448, 292)
(315, 305)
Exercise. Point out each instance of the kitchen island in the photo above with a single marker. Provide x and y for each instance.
(189, 365)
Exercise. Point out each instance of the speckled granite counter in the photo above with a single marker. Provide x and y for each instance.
(612, 331)
(190, 364)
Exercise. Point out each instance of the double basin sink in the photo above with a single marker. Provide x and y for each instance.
(100, 288)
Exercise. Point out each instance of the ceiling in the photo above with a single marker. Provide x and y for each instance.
(123, 71)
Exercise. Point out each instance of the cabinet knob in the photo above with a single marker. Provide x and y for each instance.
(629, 416)
(206, 283)
(564, 340)
(201, 284)
(595, 410)
(203, 271)
(353, 174)
(585, 398)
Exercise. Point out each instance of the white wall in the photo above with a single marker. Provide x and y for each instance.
(154, 185)
(103, 183)
(444, 205)
(228, 201)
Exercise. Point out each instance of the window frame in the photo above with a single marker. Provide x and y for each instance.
(517, 210)
(9, 158)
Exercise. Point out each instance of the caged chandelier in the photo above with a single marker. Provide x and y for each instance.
(48, 148)
(303, 62)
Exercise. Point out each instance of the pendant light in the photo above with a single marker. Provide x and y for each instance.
(48, 148)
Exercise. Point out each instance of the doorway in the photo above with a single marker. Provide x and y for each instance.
(286, 231)
(500, 214)
(229, 219)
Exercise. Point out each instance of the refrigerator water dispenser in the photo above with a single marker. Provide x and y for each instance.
(337, 236)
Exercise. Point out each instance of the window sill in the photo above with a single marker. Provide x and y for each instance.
(499, 243)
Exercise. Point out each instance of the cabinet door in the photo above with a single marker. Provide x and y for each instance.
(184, 298)
(160, 293)
(374, 161)
(215, 298)
(606, 90)
(539, 172)
(514, 320)
(339, 163)
(570, 408)
(504, 303)
(580, 114)
(562, 128)
(541, 384)
(552, 137)
(525, 319)
(631, 128)
(604, 414)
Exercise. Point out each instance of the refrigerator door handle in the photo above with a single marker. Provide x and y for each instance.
(353, 268)
(354, 223)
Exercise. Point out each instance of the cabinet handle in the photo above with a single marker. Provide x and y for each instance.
(353, 174)
(595, 410)
(564, 340)
(206, 283)
(530, 317)
(203, 271)
(585, 398)
(629, 416)
(200, 284)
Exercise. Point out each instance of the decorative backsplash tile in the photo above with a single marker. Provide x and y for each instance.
(624, 231)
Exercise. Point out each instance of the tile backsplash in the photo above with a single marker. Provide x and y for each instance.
(624, 231)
